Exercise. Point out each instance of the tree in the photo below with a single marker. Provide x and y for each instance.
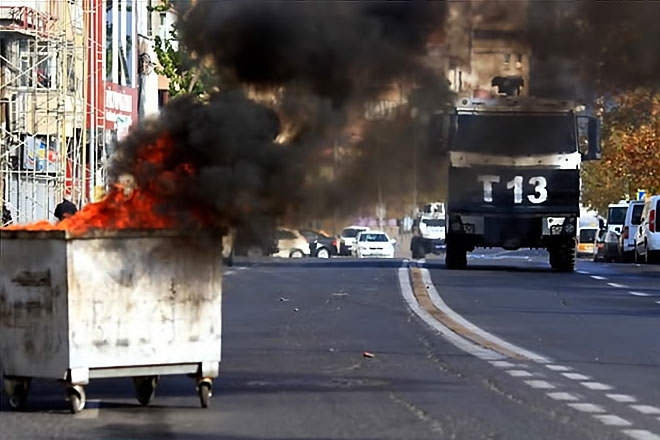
(631, 138)
(177, 64)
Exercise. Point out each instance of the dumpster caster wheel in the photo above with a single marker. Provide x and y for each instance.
(77, 398)
(204, 391)
(17, 397)
(145, 389)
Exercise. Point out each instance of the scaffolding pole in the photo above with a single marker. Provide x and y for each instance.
(43, 78)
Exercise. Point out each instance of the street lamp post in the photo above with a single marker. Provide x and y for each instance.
(413, 114)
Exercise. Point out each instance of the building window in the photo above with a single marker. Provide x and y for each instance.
(71, 71)
(163, 97)
(519, 58)
(150, 20)
(45, 68)
(507, 61)
(163, 31)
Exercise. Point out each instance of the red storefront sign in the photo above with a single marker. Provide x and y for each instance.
(121, 107)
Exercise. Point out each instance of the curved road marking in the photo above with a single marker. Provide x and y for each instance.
(422, 282)
(457, 340)
(423, 299)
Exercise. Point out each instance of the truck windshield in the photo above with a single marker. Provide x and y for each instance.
(516, 134)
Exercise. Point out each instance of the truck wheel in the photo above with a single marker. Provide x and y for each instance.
(562, 257)
(456, 257)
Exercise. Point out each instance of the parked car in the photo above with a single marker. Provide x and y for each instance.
(348, 237)
(291, 244)
(586, 241)
(607, 246)
(250, 240)
(374, 244)
(320, 245)
(647, 238)
(630, 225)
(616, 215)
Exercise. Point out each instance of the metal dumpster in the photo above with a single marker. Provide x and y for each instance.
(136, 304)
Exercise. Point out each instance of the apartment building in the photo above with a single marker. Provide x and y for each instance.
(42, 105)
(484, 40)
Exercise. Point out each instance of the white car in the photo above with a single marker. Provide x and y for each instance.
(647, 239)
(291, 244)
(348, 238)
(630, 226)
(374, 244)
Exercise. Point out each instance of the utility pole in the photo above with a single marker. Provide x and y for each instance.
(335, 158)
(414, 113)
(414, 173)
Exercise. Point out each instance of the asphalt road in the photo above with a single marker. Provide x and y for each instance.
(294, 365)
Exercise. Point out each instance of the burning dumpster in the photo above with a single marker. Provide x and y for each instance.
(109, 303)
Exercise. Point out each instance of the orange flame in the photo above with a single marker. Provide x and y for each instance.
(127, 208)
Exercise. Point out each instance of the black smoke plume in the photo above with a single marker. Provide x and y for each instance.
(320, 61)
(594, 47)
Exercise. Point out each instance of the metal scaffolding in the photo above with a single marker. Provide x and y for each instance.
(43, 88)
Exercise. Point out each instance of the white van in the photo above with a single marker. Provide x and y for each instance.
(647, 239)
(630, 225)
(616, 214)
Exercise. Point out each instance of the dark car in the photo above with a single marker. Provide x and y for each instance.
(607, 246)
(254, 241)
(320, 244)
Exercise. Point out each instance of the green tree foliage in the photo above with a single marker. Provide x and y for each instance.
(176, 63)
(631, 138)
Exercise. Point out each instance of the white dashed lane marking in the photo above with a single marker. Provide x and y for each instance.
(502, 364)
(558, 367)
(646, 409)
(519, 373)
(562, 396)
(597, 386)
(617, 285)
(541, 384)
(612, 420)
(598, 277)
(639, 294)
(587, 407)
(575, 376)
(640, 434)
(622, 398)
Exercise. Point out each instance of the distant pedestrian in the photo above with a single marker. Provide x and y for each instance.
(65, 209)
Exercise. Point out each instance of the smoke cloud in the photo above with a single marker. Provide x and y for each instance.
(602, 46)
(293, 74)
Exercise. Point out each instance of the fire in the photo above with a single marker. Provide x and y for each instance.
(128, 206)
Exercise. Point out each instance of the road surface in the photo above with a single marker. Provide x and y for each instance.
(346, 349)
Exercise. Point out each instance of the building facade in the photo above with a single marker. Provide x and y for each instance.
(42, 101)
(485, 39)
(74, 77)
